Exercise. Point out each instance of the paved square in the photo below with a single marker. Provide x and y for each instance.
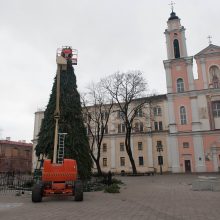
(158, 197)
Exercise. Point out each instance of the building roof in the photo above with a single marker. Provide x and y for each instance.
(16, 143)
(150, 98)
(211, 49)
(173, 16)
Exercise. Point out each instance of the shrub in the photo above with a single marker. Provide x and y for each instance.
(114, 188)
(116, 181)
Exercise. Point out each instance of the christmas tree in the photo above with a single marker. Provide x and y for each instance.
(70, 122)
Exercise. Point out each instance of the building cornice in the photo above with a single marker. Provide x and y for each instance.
(193, 93)
(207, 132)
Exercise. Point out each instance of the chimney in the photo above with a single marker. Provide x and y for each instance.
(8, 138)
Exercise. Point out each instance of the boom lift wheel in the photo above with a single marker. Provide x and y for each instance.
(78, 190)
(37, 192)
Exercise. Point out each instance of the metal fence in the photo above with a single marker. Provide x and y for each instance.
(11, 182)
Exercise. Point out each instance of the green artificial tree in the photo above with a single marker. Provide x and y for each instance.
(70, 122)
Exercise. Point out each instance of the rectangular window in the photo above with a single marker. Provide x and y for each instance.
(159, 143)
(156, 126)
(216, 109)
(183, 120)
(141, 127)
(141, 161)
(136, 129)
(122, 161)
(160, 125)
(185, 144)
(121, 114)
(121, 128)
(157, 111)
(139, 113)
(160, 160)
(180, 85)
(104, 115)
(104, 147)
(140, 146)
(122, 147)
(104, 162)
(106, 129)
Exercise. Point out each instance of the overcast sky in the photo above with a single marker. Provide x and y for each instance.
(110, 35)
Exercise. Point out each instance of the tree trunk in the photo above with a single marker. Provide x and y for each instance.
(98, 167)
(97, 162)
(134, 170)
(128, 149)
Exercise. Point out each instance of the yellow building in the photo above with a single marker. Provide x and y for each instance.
(150, 130)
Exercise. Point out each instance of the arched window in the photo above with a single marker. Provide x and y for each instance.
(176, 48)
(214, 75)
(183, 120)
(180, 85)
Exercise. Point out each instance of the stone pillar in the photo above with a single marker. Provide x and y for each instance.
(149, 150)
(199, 153)
(169, 154)
(168, 76)
(215, 159)
(169, 47)
(174, 154)
(204, 76)
(184, 50)
(195, 114)
(113, 164)
(189, 62)
(172, 121)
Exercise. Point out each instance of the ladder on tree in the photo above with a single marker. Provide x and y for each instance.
(38, 169)
(60, 157)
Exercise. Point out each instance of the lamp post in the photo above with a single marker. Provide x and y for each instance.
(160, 159)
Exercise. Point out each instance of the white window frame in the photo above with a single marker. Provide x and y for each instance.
(183, 116)
(157, 111)
(216, 109)
(180, 85)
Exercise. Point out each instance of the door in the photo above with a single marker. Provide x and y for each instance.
(187, 166)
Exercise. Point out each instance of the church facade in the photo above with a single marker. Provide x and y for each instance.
(186, 120)
(193, 104)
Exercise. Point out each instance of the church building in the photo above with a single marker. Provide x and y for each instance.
(193, 104)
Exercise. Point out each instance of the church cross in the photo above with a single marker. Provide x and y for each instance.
(209, 37)
(172, 5)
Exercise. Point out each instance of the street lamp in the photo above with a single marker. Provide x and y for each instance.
(160, 158)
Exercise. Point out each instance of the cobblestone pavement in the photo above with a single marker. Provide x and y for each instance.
(167, 197)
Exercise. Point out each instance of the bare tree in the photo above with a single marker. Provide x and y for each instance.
(97, 109)
(128, 91)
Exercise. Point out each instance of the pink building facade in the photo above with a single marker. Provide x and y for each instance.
(193, 104)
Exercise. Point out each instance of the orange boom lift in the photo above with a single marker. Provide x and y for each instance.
(60, 175)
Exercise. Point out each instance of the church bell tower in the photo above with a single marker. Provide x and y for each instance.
(175, 38)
